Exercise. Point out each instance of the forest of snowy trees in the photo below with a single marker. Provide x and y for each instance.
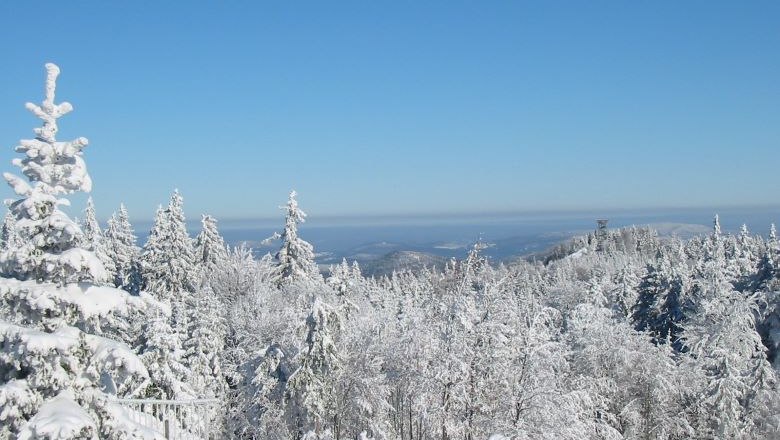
(618, 336)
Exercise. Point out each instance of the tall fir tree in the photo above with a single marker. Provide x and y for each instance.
(310, 388)
(210, 249)
(168, 257)
(50, 247)
(724, 343)
(122, 250)
(95, 241)
(716, 225)
(295, 258)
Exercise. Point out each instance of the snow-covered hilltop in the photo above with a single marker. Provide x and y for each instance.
(618, 334)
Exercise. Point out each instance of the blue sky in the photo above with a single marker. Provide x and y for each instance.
(370, 108)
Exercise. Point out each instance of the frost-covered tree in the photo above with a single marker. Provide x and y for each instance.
(205, 343)
(728, 349)
(94, 239)
(154, 255)
(239, 275)
(210, 249)
(122, 251)
(64, 353)
(50, 241)
(310, 388)
(295, 258)
(664, 301)
(168, 257)
(716, 225)
(625, 293)
(162, 354)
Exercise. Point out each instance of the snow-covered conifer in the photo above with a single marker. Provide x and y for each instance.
(716, 225)
(204, 345)
(162, 354)
(295, 259)
(122, 250)
(727, 347)
(310, 388)
(50, 249)
(210, 249)
(95, 241)
(168, 258)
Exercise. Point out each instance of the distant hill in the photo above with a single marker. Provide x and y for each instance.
(402, 260)
(681, 230)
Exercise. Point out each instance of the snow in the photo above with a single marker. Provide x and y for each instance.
(16, 398)
(60, 418)
(123, 421)
(32, 341)
(578, 254)
(112, 355)
(86, 301)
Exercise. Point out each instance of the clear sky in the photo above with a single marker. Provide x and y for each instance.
(406, 107)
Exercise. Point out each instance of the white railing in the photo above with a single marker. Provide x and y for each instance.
(175, 419)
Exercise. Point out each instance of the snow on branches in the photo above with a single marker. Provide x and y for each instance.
(50, 241)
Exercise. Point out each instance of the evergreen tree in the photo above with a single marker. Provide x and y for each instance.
(122, 250)
(95, 241)
(183, 275)
(60, 369)
(625, 295)
(203, 348)
(50, 241)
(210, 249)
(154, 256)
(168, 258)
(162, 354)
(725, 344)
(295, 259)
(310, 388)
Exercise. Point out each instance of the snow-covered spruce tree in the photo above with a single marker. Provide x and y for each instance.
(162, 354)
(339, 278)
(203, 348)
(168, 257)
(95, 241)
(310, 388)
(60, 362)
(295, 259)
(210, 249)
(184, 274)
(123, 252)
(50, 240)
(725, 345)
(154, 256)
(716, 225)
